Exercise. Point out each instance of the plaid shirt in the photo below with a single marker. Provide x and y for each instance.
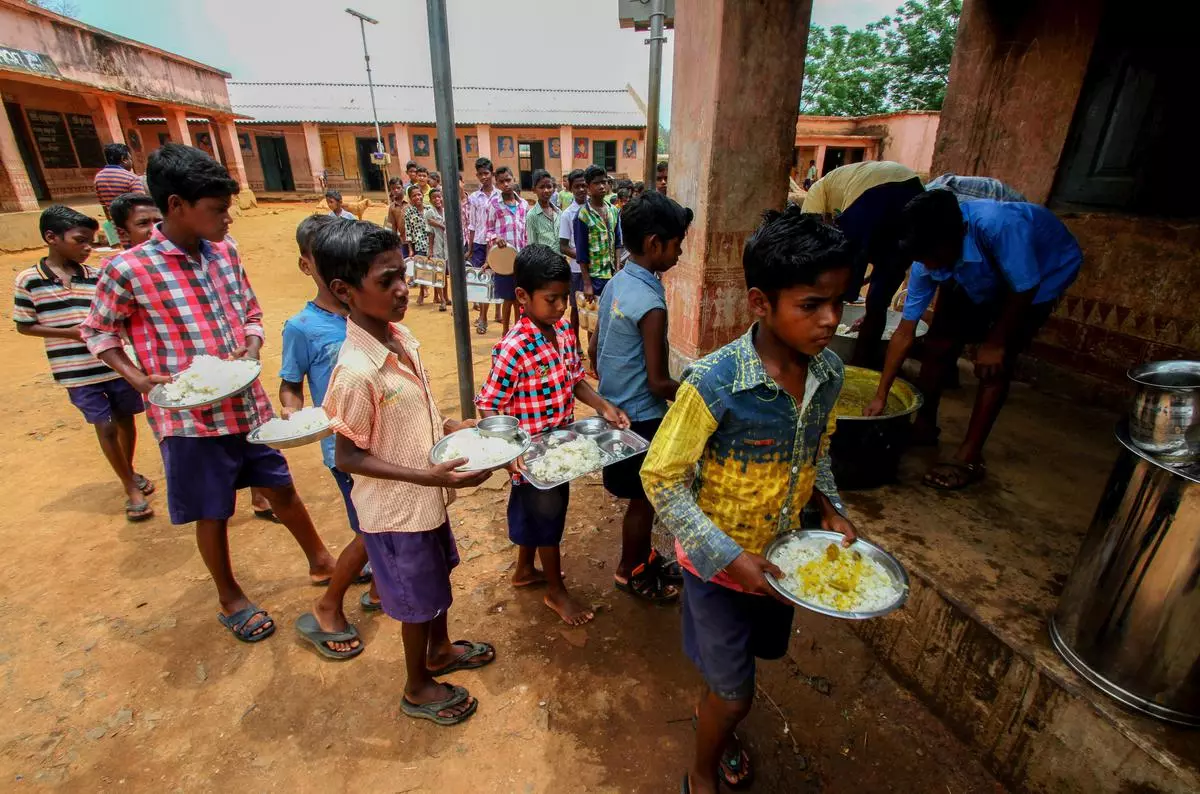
(737, 458)
(173, 308)
(532, 379)
(477, 210)
(507, 223)
(597, 238)
(970, 188)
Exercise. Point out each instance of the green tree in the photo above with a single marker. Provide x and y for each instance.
(919, 41)
(843, 74)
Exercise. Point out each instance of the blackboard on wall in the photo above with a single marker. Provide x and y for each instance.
(51, 138)
(86, 140)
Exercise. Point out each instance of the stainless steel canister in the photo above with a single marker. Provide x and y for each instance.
(1165, 420)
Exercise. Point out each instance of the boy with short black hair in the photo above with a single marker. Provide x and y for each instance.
(135, 215)
(410, 168)
(312, 339)
(423, 182)
(631, 359)
(741, 453)
(505, 229)
(381, 406)
(479, 204)
(536, 376)
(153, 295)
(660, 177)
(435, 220)
(597, 234)
(50, 301)
(576, 183)
(333, 200)
(396, 204)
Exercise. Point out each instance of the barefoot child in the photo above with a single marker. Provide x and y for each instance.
(536, 376)
(181, 294)
(631, 358)
(741, 452)
(50, 300)
(383, 411)
(311, 342)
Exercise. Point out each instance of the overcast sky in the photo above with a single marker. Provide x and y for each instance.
(315, 40)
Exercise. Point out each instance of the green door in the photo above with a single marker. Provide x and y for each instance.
(277, 168)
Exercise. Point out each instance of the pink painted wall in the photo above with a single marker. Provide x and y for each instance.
(910, 139)
(907, 137)
(106, 61)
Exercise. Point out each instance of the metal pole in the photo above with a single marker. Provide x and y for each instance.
(658, 15)
(443, 104)
(362, 26)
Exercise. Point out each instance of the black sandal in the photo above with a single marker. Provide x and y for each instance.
(646, 583)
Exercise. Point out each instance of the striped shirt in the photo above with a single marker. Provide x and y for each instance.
(113, 181)
(40, 297)
(174, 308)
(386, 408)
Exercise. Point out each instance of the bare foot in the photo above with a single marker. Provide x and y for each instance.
(321, 569)
(567, 608)
(332, 621)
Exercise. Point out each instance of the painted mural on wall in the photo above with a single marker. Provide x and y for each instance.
(581, 148)
(472, 143)
(505, 143)
(555, 148)
(629, 148)
(244, 142)
(420, 145)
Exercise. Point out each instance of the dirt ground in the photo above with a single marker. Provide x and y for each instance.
(115, 672)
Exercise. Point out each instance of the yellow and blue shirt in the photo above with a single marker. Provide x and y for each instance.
(737, 457)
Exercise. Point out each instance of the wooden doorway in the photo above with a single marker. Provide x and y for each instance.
(531, 156)
(277, 168)
(372, 174)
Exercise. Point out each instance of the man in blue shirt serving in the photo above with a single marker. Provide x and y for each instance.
(1000, 266)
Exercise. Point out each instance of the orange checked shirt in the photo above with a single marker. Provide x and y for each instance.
(388, 410)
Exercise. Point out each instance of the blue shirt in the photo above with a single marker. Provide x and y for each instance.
(620, 355)
(1026, 243)
(311, 342)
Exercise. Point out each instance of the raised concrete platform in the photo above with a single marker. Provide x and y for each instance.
(987, 566)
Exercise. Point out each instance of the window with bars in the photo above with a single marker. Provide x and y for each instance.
(604, 154)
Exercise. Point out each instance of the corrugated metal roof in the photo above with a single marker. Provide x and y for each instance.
(350, 103)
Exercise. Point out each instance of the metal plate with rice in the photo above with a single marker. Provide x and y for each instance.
(157, 396)
(289, 442)
(441, 450)
(891, 567)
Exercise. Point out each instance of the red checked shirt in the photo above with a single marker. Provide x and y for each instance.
(533, 379)
(174, 308)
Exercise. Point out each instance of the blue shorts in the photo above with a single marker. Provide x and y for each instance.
(505, 287)
(576, 287)
(478, 254)
(100, 403)
(412, 572)
(345, 484)
(724, 631)
(536, 517)
(598, 285)
(203, 474)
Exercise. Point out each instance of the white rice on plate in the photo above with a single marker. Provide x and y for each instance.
(480, 451)
(208, 376)
(827, 575)
(301, 423)
(568, 461)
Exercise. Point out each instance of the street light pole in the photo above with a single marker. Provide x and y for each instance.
(443, 106)
(363, 19)
(658, 16)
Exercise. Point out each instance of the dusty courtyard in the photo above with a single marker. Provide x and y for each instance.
(116, 674)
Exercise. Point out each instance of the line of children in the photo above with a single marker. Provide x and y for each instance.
(536, 376)
(505, 229)
(50, 301)
(312, 339)
(386, 420)
(632, 361)
(182, 293)
(739, 455)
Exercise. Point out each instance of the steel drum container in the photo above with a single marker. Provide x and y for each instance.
(1165, 420)
(1129, 617)
(865, 450)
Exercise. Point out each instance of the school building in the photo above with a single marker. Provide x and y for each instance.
(70, 88)
(904, 137)
(309, 136)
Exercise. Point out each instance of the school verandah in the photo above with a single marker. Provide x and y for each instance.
(310, 136)
(69, 89)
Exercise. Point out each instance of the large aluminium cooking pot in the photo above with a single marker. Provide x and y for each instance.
(1165, 420)
(865, 450)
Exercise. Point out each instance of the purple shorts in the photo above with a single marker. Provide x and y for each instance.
(204, 473)
(102, 402)
(536, 517)
(478, 254)
(412, 571)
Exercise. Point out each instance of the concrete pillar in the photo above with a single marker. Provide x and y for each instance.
(730, 160)
(484, 131)
(316, 158)
(108, 121)
(215, 137)
(403, 150)
(566, 142)
(16, 191)
(820, 158)
(177, 127)
(233, 152)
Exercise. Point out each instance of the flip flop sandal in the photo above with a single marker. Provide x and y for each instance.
(310, 629)
(966, 474)
(667, 569)
(144, 485)
(242, 625)
(267, 515)
(365, 576)
(135, 513)
(368, 605)
(469, 660)
(645, 584)
(429, 711)
(480, 328)
(733, 764)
